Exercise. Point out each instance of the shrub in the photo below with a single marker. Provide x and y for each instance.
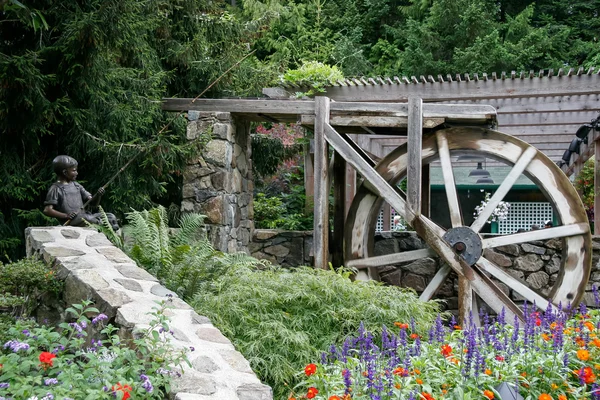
(23, 283)
(41, 362)
(313, 75)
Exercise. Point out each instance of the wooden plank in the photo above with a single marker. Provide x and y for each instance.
(309, 179)
(449, 182)
(532, 132)
(465, 300)
(321, 206)
(414, 138)
(339, 206)
(350, 187)
(268, 106)
(425, 190)
(390, 259)
(435, 283)
(430, 110)
(490, 89)
(597, 188)
(504, 188)
(541, 234)
(557, 118)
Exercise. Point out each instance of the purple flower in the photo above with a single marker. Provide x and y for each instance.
(50, 381)
(26, 332)
(192, 348)
(146, 384)
(48, 396)
(99, 318)
(76, 326)
(15, 345)
(4, 385)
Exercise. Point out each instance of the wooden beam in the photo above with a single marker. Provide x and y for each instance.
(415, 140)
(597, 188)
(550, 118)
(321, 206)
(309, 179)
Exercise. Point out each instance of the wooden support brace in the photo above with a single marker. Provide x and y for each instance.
(597, 188)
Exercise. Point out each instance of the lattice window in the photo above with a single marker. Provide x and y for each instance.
(523, 215)
(379, 224)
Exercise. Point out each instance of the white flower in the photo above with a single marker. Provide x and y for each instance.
(500, 213)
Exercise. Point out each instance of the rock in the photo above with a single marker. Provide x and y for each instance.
(109, 300)
(422, 266)
(216, 151)
(556, 244)
(199, 319)
(193, 382)
(394, 278)
(69, 233)
(236, 360)
(538, 280)
(51, 252)
(529, 263)
(384, 247)
(264, 234)
(114, 254)
(80, 284)
(254, 391)
(213, 209)
(204, 364)
(416, 282)
(212, 335)
(161, 291)
(553, 265)
(529, 248)
(511, 249)
(135, 272)
(130, 284)
(97, 240)
(497, 258)
(277, 250)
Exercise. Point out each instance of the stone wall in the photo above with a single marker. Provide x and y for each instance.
(537, 263)
(218, 183)
(96, 270)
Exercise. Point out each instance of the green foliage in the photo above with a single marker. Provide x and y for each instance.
(272, 213)
(154, 246)
(280, 320)
(23, 283)
(314, 75)
(39, 360)
(584, 183)
(272, 152)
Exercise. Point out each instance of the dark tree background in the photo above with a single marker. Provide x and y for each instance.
(85, 77)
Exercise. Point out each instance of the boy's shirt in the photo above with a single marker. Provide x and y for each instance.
(67, 198)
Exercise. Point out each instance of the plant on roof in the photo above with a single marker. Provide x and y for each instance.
(313, 75)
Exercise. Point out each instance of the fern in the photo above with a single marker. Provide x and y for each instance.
(106, 228)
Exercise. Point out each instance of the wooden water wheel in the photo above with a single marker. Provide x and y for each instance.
(461, 247)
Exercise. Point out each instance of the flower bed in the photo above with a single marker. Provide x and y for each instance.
(42, 363)
(552, 356)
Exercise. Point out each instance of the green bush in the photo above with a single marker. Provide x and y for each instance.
(23, 283)
(281, 320)
(313, 75)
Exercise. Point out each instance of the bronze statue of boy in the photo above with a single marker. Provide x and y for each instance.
(66, 197)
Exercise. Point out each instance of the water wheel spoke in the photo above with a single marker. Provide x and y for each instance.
(515, 284)
(495, 297)
(436, 283)
(503, 189)
(449, 183)
(541, 234)
(390, 259)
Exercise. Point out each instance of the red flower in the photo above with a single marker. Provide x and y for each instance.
(587, 375)
(310, 369)
(122, 388)
(312, 392)
(446, 350)
(414, 336)
(499, 358)
(427, 396)
(46, 359)
(401, 325)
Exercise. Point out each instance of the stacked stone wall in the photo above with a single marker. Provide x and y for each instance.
(537, 263)
(93, 269)
(218, 183)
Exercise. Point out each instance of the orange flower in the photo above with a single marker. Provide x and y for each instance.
(427, 396)
(589, 325)
(310, 369)
(414, 336)
(544, 396)
(400, 371)
(554, 386)
(523, 374)
(488, 371)
(586, 374)
(347, 397)
(334, 398)
(583, 355)
(562, 397)
(46, 359)
(122, 388)
(596, 342)
(312, 392)
(457, 327)
(546, 337)
(489, 394)
(446, 350)
(419, 381)
(401, 325)
(398, 386)
(454, 361)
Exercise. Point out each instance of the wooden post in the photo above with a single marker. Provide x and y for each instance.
(415, 129)
(321, 172)
(597, 187)
(309, 179)
(339, 205)
(426, 190)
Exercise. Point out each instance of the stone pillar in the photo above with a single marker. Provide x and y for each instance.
(218, 183)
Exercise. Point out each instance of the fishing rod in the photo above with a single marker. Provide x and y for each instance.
(164, 128)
